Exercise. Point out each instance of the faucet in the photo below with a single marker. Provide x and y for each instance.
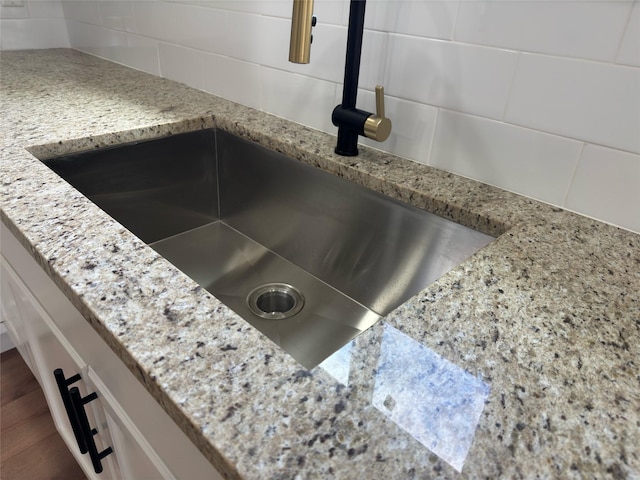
(351, 121)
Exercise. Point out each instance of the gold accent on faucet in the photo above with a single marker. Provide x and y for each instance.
(378, 127)
(301, 23)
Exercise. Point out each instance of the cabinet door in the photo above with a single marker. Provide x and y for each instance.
(136, 458)
(51, 351)
(12, 316)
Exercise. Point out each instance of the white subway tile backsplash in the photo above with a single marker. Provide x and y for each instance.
(606, 185)
(182, 64)
(128, 49)
(207, 28)
(451, 75)
(96, 40)
(156, 19)
(14, 12)
(117, 15)
(45, 9)
(327, 12)
(373, 61)
(86, 11)
(20, 34)
(433, 19)
(84, 37)
(252, 37)
(116, 47)
(232, 79)
(533, 163)
(586, 29)
(138, 52)
(629, 53)
(280, 9)
(265, 40)
(327, 54)
(247, 6)
(304, 100)
(586, 100)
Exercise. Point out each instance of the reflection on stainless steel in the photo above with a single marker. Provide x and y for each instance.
(435, 401)
(231, 266)
(155, 189)
(234, 215)
(376, 250)
(338, 364)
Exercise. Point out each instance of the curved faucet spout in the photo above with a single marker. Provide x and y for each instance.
(351, 121)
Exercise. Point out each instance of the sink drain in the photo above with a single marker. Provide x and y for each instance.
(275, 301)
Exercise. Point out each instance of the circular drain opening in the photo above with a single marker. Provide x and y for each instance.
(275, 301)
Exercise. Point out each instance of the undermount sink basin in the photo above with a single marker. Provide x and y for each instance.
(308, 258)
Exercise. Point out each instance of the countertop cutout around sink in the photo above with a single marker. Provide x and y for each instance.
(266, 233)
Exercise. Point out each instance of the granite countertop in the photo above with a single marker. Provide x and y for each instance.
(522, 362)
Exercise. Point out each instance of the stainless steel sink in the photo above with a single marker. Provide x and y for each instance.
(308, 258)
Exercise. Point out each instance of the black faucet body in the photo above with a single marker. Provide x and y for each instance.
(349, 120)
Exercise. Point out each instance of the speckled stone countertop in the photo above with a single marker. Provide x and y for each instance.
(522, 362)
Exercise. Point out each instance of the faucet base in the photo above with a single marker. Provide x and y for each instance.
(350, 123)
(347, 145)
(346, 153)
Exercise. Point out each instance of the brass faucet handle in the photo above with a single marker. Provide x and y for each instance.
(379, 101)
(378, 127)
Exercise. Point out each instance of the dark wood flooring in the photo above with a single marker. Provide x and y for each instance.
(30, 447)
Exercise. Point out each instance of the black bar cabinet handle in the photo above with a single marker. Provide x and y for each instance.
(63, 388)
(78, 403)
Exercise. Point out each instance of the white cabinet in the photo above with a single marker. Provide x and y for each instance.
(138, 439)
(12, 318)
(52, 354)
(136, 458)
